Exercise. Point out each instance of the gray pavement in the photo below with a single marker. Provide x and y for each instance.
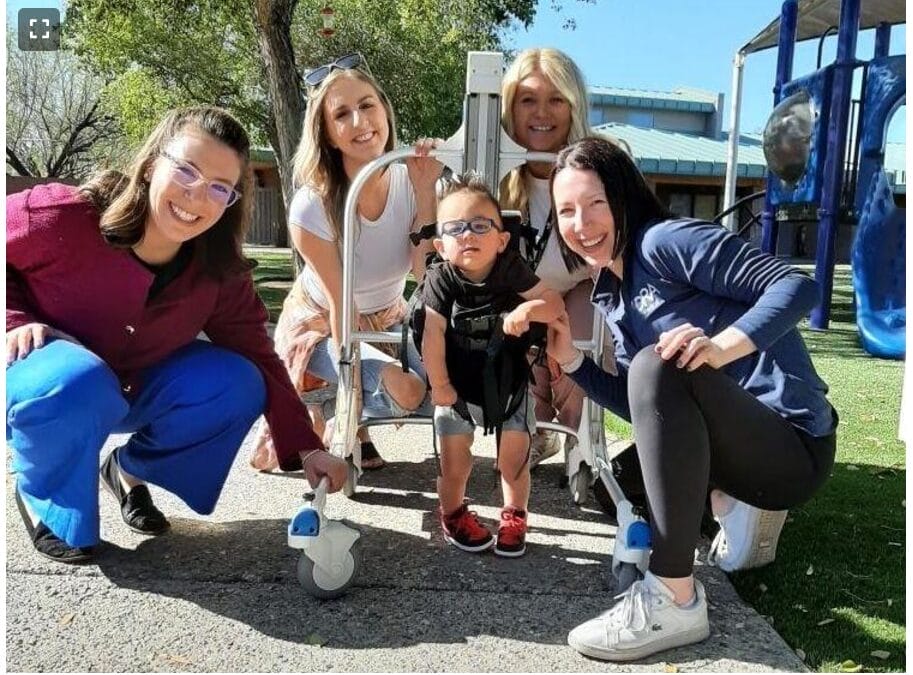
(220, 593)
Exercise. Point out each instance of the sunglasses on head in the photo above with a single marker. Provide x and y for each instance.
(314, 77)
(478, 225)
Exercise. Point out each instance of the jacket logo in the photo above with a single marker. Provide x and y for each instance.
(647, 300)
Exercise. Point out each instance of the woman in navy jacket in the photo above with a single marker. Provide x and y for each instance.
(712, 374)
(108, 286)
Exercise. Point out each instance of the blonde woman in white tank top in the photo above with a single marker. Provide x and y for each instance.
(349, 122)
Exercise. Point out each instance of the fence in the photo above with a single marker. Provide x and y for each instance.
(268, 225)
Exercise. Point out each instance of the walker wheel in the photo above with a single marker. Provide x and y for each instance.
(348, 488)
(328, 584)
(625, 575)
(579, 485)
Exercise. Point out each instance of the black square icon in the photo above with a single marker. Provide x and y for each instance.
(39, 29)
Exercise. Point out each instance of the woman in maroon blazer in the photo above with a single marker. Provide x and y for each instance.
(108, 287)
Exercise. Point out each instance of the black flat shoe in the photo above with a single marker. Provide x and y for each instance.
(49, 544)
(136, 507)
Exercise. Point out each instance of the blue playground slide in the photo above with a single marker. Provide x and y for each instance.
(879, 272)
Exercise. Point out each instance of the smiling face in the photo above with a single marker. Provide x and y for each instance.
(177, 213)
(585, 219)
(541, 115)
(354, 121)
(473, 254)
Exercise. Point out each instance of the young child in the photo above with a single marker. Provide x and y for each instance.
(478, 270)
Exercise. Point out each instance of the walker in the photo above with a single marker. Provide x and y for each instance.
(482, 145)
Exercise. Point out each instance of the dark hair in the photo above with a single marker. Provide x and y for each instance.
(469, 181)
(122, 198)
(631, 201)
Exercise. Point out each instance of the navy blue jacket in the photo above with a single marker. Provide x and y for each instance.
(690, 271)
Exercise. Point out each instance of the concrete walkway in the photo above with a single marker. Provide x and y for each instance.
(220, 593)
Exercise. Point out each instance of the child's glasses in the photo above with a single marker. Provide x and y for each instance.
(187, 176)
(478, 225)
(314, 77)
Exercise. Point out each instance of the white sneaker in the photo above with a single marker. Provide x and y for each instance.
(645, 620)
(747, 538)
(545, 444)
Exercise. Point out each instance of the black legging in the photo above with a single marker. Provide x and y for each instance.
(696, 430)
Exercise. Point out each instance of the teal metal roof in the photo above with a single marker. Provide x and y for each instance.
(673, 152)
(683, 98)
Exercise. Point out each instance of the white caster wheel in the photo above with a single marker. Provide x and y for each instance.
(579, 485)
(327, 584)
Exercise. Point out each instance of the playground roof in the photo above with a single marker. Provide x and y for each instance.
(683, 98)
(673, 152)
(816, 16)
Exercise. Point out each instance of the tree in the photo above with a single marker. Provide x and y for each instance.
(247, 56)
(56, 124)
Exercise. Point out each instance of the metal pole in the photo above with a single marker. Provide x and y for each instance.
(882, 40)
(785, 50)
(732, 152)
(829, 213)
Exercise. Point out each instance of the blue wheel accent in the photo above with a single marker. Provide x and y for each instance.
(639, 536)
(306, 523)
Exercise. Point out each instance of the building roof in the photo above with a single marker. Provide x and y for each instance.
(674, 152)
(682, 98)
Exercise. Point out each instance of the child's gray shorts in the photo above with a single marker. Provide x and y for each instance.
(448, 422)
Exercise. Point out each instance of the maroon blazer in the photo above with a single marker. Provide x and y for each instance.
(61, 272)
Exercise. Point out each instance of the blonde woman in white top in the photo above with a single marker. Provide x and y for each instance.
(349, 122)
(544, 109)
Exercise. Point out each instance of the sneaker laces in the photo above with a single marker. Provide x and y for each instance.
(718, 548)
(512, 527)
(632, 613)
(466, 522)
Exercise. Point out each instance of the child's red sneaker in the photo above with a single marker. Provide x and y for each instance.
(463, 529)
(511, 533)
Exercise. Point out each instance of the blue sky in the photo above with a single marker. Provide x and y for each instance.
(663, 44)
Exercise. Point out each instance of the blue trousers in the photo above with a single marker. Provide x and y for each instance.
(188, 422)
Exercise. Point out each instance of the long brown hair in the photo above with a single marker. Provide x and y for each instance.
(317, 164)
(122, 198)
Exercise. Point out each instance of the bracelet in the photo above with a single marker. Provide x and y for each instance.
(573, 364)
(304, 460)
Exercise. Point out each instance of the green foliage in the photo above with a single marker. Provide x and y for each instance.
(161, 53)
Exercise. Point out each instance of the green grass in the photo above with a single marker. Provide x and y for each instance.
(846, 535)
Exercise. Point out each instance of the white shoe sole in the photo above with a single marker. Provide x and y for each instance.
(766, 538)
(509, 554)
(688, 637)
(470, 549)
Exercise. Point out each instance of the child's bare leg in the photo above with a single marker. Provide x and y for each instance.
(456, 465)
(512, 460)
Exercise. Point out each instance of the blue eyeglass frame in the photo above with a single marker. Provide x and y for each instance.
(486, 225)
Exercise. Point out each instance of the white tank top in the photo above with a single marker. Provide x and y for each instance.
(382, 253)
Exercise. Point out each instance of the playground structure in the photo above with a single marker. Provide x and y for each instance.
(327, 568)
(815, 173)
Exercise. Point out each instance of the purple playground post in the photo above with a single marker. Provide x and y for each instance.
(785, 50)
(829, 211)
